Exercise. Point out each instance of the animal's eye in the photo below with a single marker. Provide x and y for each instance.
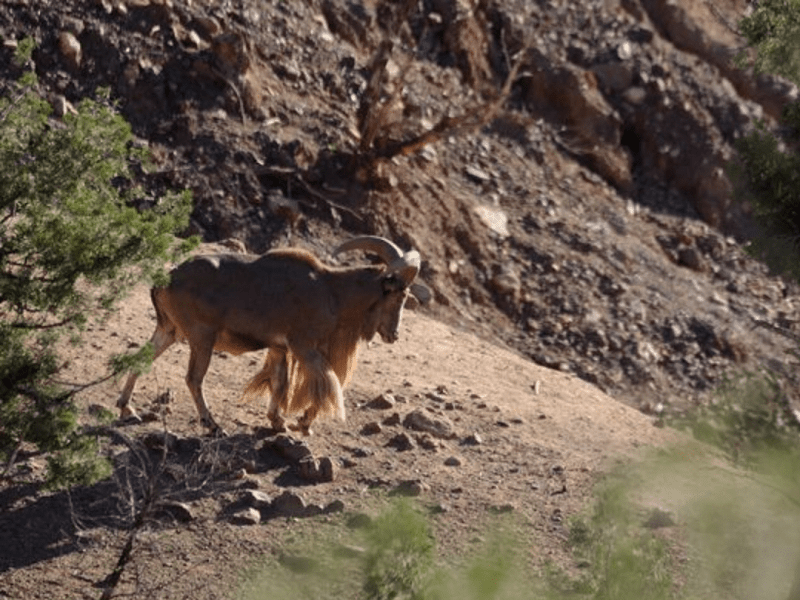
(391, 284)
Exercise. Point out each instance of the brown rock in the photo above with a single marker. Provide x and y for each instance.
(70, 49)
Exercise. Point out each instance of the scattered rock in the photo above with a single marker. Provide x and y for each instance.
(392, 420)
(383, 402)
(453, 461)
(180, 511)
(440, 427)
(245, 516)
(290, 448)
(427, 442)
(371, 428)
(335, 506)
(411, 487)
(289, 504)
(189, 445)
(402, 442)
(317, 470)
(70, 49)
(160, 441)
(256, 499)
(473, 439)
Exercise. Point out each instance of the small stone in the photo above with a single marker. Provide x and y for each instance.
(335, 506)
(290, 448)
(402, 442)
(70, 49)
(312, 510)
(453, 461)
(690, 257)
(371, 428)
(160, 441)
(392, 420)
(62, 106)
(189, 445)
(256, 499)
(440, 427)
(383, 402)
(246, 516)
(180, 511)
(315, 470)
(472, 440)
(149, 416)
(411, 487)
(427, 442)
(289, 504)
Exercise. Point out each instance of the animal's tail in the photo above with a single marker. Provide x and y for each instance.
(297, 385)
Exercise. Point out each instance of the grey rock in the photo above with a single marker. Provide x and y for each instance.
(440, 427)
(180, 511)
(256, 499)
(383, 402)
(246, 516)
(290, 448)
(317, 470)
(289, 504)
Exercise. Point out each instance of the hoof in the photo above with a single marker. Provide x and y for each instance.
(278, 424)
(128, 416)
(303, 429)
(214, 430)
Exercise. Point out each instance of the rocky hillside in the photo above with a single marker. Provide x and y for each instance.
(560, 165)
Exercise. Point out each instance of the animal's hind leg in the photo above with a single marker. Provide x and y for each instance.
(276, 370)
(161, 340)
(320, 390)
(199, 359)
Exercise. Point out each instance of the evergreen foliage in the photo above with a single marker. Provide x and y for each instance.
(72, 241)
(767, 173)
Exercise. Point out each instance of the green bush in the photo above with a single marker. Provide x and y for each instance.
(765, 172)
(72, 241)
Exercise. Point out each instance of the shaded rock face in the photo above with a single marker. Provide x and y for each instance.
(589, 214)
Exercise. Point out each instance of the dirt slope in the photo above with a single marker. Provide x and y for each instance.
(533, 453)
(589, 227)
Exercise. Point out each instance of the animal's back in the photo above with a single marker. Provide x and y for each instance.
(255, 298)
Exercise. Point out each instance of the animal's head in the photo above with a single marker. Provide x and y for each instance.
(396, 282)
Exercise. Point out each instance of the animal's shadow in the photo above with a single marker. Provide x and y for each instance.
(152, 475)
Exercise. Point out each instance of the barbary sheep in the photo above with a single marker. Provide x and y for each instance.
(311, 318)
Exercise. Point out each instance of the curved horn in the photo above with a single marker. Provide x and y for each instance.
(388, 251)
(403, 264)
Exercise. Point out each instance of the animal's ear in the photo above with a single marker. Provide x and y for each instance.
(421, 292)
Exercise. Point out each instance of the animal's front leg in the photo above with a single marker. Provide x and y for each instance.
(199, 359)
(161, 340)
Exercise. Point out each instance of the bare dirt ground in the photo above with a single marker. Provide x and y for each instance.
(517, 437)
(579, 228)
